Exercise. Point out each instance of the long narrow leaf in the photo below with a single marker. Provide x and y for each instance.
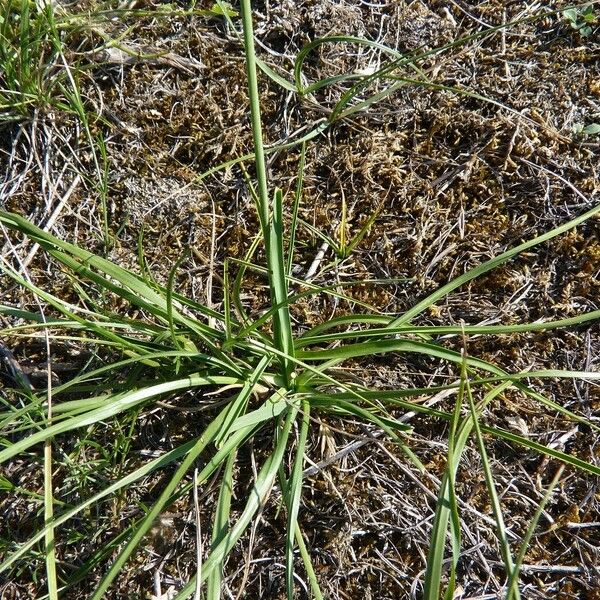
(489, 265)
(221, 528)
(256, 498)
(114, 406)
(140, 531)
(292, 497)
(278, 280)
(433, 573)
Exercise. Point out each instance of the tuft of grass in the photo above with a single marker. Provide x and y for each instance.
(24, 43)
(264, 376)
(33, 76)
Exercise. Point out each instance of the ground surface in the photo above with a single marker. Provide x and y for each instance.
(455, 180)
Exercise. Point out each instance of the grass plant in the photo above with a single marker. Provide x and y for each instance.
(265, 377)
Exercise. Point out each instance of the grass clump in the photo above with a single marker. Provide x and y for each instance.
(24, 45)
(254, 377)
(35, 78)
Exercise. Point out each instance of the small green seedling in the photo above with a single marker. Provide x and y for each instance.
(591, 129)
(344, 247)
(581, 19)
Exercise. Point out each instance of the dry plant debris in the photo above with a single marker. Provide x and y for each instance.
(455, 181)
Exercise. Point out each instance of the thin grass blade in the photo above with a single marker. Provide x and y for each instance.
(292, 497)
